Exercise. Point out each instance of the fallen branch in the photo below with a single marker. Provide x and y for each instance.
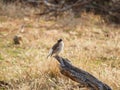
(80, 76)
(59, 8)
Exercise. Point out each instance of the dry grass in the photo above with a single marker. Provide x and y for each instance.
(89, 43)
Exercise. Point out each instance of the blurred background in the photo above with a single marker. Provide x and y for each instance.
(90, 30)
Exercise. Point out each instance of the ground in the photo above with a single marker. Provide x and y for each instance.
(90, 44)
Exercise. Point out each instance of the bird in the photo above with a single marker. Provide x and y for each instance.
(57, 48)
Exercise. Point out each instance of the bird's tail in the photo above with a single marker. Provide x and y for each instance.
(48, 56)
(50, 53)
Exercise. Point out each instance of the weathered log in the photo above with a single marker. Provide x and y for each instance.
(80, 76)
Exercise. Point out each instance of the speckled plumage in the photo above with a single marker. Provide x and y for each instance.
(57, 48)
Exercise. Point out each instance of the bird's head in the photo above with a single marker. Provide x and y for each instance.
(59, 40)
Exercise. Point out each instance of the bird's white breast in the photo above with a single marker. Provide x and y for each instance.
(61, 45)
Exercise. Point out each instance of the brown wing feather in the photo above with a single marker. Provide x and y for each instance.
(54, 48)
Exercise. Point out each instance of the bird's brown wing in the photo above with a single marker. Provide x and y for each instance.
(55, 48)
